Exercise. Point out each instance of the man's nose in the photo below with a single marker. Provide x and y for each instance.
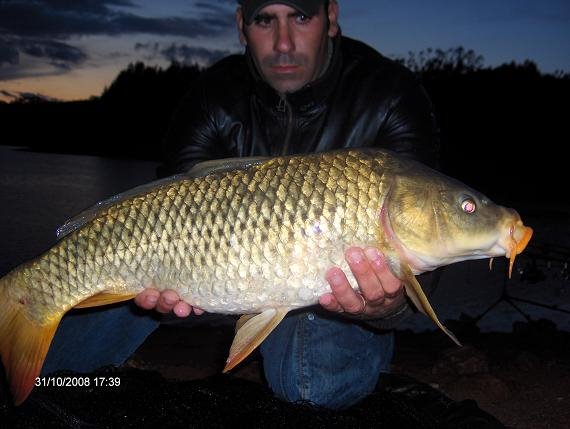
(283, 39)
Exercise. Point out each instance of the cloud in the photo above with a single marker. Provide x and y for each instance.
(182, 53)
(187, 27)
(7, 95)
(23, 97)
(220, 6)
(43, 29)
(58, 54)
(8, 52)
(63, 19)
(55, 51)
(34, 70)
(90, 6)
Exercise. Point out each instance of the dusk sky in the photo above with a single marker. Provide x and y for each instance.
(72, 49)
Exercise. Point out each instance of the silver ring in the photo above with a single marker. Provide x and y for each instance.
(363, 304)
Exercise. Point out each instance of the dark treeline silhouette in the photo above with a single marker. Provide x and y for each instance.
(127, 121)
(504, 130)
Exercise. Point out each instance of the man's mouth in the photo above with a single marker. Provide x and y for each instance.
(285, 68)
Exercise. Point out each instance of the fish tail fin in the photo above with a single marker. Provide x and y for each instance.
(24, 343)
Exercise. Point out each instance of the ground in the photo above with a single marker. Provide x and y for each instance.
(521, 378)
(496, 380)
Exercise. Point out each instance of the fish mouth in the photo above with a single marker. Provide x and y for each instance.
(517, 240)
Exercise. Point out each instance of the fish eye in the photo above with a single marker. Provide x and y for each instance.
(468, 205)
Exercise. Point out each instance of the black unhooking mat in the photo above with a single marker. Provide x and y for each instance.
(146, 399)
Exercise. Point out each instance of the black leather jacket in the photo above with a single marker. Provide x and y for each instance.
(363, 99)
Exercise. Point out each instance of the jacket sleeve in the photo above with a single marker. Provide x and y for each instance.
(410, 128)
(192, 135)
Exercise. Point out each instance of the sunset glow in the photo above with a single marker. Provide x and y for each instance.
(75, 51)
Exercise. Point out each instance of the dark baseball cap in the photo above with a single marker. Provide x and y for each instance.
(251, 8)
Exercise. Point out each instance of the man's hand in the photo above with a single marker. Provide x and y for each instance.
(165, 302)
(381, 292)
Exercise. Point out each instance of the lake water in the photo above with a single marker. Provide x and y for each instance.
(40, 191)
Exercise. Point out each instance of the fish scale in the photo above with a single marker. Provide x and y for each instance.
(252, 237)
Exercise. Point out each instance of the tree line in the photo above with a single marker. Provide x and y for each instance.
(503, 130)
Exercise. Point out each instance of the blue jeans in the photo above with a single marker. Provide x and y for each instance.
(309, 357)
(89, 339)
(330, 362)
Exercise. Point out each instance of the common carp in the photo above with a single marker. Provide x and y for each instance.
(252, 237)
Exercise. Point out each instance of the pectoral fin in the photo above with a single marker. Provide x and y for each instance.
(416, 294)
(252, 330)
(243, 320)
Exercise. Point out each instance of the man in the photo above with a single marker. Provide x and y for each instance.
(302, 87)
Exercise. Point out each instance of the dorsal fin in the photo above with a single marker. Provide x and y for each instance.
(92, 212)
(201, 169)
(223, 165)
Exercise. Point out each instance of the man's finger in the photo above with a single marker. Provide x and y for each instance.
(147, 299)
(391, 285)
(182, 309)
(366, 277)
(168, 299)
(329, 302)
(343, 292)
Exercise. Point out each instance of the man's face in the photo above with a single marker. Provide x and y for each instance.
(289, 48)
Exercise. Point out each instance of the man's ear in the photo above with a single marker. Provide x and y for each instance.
(333, 18)
(240, 24)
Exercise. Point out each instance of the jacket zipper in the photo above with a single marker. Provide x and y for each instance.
(284, 106)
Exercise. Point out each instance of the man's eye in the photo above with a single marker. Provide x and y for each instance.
(302, 19)
(264, 21)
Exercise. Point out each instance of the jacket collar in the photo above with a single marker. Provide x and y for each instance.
(312, 94)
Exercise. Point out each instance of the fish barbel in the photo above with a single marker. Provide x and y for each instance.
(253, 237)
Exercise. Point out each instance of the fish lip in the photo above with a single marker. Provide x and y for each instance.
(516, 241)
(527, 232)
